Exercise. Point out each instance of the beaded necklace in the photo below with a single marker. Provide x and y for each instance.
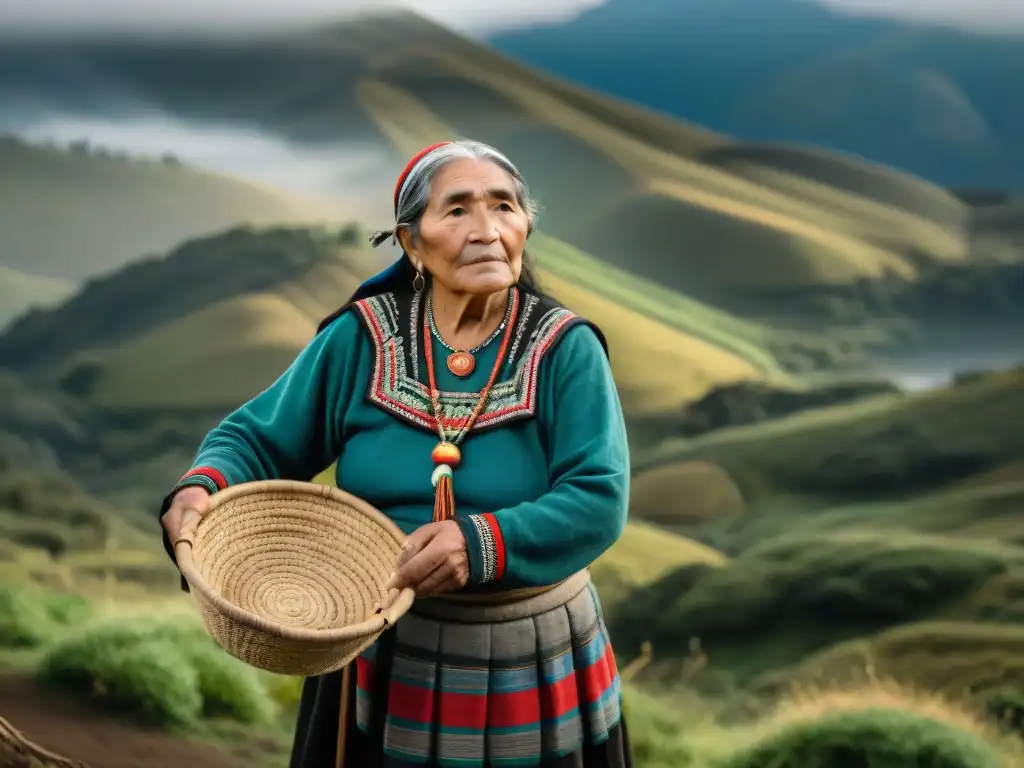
(462, 362)
(446, 454)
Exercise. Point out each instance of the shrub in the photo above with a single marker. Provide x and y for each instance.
(1006, 706)
(875, 728)
(228, 687)
(151, 680)
(164, 672)
(25, 621)
(879, 738)
(68, 610)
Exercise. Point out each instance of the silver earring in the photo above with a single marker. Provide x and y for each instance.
(419, 282)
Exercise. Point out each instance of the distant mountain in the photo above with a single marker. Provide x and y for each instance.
(935, 102)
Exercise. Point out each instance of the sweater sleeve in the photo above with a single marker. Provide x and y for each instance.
(292, 430)
(544, 541)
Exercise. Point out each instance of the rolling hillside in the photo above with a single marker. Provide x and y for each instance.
(125, 344)
(694, 211)
(946, 460)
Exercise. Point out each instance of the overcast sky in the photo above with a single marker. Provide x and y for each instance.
(477, 16)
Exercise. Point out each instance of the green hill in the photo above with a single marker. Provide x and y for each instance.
(1002, 222)
(944, 461)
(124, 344)
(965, 418)
(110, 385)
(799, 593)
(71, 214)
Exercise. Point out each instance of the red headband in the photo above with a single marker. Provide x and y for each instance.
(412, 164)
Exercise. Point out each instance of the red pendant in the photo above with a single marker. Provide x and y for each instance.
(461, 363)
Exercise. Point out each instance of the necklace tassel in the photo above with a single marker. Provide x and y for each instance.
(446, 454)
(444, 494)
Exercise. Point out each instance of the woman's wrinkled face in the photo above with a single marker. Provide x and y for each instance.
(473, 231)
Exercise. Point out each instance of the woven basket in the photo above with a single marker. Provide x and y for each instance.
(287, 575)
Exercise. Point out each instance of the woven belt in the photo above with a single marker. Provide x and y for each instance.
(502, 606)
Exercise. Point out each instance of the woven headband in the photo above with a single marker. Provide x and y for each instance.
(412, 164)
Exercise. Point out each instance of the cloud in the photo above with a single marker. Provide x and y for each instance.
(223, 15)
(468, 16)
(997, 15)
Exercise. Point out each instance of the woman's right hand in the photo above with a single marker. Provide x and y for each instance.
(188, 504)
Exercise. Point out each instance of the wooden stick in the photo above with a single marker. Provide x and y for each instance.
(346, 698)
(14, 742)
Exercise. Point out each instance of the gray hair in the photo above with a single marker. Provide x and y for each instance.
(414, 195)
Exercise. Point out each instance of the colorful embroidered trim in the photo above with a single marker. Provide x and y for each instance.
(206, 477)
(492, 546)
(398, 393)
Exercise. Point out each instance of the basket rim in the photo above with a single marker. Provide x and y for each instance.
(368, 627)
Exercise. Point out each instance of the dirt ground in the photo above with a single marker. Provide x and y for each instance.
(75, 732)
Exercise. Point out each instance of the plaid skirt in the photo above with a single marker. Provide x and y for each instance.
(540, 690)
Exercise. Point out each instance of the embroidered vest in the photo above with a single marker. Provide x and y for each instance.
(395, 321)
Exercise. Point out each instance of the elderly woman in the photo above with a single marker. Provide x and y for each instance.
(483, 419)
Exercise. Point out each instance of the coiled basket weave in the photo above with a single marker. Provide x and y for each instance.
(288, 575)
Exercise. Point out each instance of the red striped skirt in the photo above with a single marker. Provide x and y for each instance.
(525, 691)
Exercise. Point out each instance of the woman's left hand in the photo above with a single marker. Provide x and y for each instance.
(433, 561)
